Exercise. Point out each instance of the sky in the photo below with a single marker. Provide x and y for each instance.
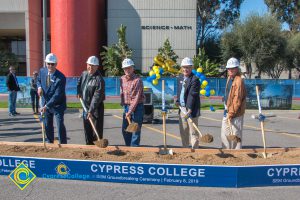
(253, 6)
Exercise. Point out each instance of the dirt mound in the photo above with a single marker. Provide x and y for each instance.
(239, 159)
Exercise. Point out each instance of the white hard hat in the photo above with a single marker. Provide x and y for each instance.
(187, 62)
(51, 58)
(232, 63)
(127, 62)
(93, 60)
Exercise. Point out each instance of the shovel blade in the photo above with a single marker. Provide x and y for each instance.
(101, 143)
(56, 142)
(133, 127)
(165, 152)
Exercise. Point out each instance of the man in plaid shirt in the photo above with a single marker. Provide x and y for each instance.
(132, 100)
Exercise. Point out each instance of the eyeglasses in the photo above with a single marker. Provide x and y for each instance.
(52, 64)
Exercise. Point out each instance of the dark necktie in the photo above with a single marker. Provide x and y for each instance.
(48, 80)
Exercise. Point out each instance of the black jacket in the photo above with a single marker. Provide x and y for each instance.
(11, 83)
(191, 94)
(94, 93)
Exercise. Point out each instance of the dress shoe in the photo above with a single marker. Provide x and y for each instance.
(16, 113)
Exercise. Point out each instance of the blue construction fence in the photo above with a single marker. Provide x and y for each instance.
(275, 93)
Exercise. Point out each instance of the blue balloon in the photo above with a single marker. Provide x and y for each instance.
(212, 108)
(198, 74)
(149, 79)
(202, 77)
(153, 76)
(207, 93)
(207, 88)
(194, 71)
(161, 70)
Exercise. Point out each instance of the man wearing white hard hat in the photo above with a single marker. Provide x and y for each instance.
(235, 105)
(91, 89)
(132, 100)
(52, 88)
(188, 87)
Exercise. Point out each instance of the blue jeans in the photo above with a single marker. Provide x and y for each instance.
(12, 99)
(61, 129)
(133, 139)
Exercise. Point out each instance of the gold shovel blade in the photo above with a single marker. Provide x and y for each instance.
(101, 143)
(133, 127)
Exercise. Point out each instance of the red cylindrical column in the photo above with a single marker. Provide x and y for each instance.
(75, 33)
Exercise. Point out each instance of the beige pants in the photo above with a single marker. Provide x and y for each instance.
(187, 131)
(237, 129)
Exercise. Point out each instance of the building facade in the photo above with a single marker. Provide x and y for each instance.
(149, 23)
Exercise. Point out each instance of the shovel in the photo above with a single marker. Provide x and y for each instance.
(165, 150)
(99, 143)
(261, 124)
(132, 127)
(231, 136)
(42, 116)
(206, 138)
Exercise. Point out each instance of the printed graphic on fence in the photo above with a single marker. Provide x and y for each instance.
(276, 94)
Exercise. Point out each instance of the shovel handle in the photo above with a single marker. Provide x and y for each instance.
(94, 128)
(90, 120)
(191, 121)
(230, 127)
(164, 129)
(128, 119)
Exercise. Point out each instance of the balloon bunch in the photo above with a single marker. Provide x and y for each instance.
(161, 66)
(205, 88)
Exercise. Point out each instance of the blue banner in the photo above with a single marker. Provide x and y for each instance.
(157, 174)
(276, 94)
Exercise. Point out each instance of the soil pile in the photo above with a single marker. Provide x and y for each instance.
(234, 159)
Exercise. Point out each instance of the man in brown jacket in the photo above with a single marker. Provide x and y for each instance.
(235, 105)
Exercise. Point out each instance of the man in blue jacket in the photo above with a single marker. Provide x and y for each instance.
(188, 98)
(51, 87)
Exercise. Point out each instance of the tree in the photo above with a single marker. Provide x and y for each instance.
(214, 15)
(167, 52)
(6, 59)
(258, 39)
(114, 55)
(209, 68)
(293, 52)
(286, 11)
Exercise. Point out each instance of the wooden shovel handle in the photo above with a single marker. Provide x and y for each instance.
(128, 119)
(230, 127)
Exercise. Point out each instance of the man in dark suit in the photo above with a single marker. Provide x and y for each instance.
(91, 88)
(12, 87)
(188, 98)
(51, 86)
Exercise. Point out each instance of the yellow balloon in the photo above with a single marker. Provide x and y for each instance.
(157, 76)
(204, 82)
(154, 67)
(212, 92)
(203, 86)
(151, 73)
(200, 70)
(202, 92)
(156, 71)
(155, 82)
